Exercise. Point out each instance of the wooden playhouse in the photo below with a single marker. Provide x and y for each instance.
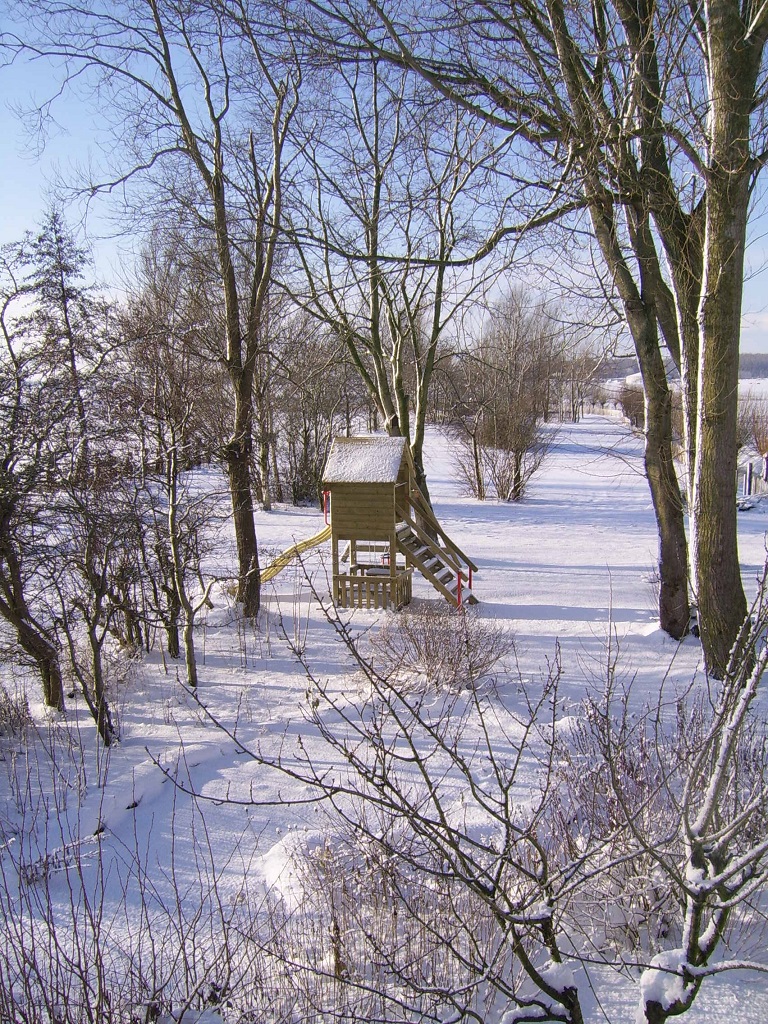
(382, 528)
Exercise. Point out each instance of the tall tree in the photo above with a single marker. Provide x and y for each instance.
(175, 391)
(33, 414)
(199, 102)
(504, 395)
(62, 528)
(67, 321)
(396, 190)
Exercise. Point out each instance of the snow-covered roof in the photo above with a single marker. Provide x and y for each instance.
(364, 460)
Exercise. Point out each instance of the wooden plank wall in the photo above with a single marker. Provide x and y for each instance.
(363, 511)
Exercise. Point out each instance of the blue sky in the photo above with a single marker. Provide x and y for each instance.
(27, 173)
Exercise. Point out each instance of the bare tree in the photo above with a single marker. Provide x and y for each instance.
(172, 366)
(753, 423)
(93, 541)
(200, 107)
(316, 396)
(385, 228)
(56, 547)
(579, 371)
(173, 394)
(505, 389)
(678, 794)
(34, 413)
(633, 405)
(186, 520)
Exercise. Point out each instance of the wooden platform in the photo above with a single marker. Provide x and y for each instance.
(374, 588)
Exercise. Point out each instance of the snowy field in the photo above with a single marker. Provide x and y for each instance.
(571, 566)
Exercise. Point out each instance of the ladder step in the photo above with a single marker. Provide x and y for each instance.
(435, 561)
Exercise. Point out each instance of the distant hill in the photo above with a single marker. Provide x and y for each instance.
(618, 367)
(753, 365)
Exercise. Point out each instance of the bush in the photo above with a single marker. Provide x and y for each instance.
(441, 646)
(15, 716)
(632, 402)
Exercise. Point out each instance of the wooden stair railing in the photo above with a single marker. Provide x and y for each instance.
(446, 567)
(422, 508)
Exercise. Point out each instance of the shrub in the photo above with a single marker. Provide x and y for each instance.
(441, 646)
(15, 716)
(632, 403)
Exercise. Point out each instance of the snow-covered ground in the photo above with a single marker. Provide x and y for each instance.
(572, 565)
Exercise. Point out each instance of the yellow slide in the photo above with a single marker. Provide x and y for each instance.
(290, 553)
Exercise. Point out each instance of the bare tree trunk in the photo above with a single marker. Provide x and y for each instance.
(733, 69)
(46, 657)
(687, 292)
(190, 660)
(516, 492)
(640, 310)
(266, 472)
(31, 637)
(172, 481)
(421, 476)
(478, 466)
(674, 605)
(722, 604)
(674, 609)
(238, 457)
(276, 478)
(99, 703)
(172, 623)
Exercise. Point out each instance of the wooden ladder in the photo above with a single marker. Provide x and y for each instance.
(437, 558)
